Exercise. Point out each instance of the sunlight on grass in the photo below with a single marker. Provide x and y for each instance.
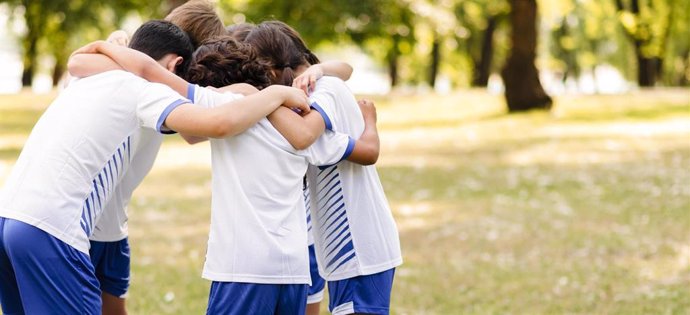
(581, 210)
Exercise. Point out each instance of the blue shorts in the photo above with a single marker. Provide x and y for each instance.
(40, 274)
(370, 294)
(228, 298)
(111, 261)
(315, 291)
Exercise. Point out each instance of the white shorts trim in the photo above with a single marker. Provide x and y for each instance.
(344, 309)
(316, 297)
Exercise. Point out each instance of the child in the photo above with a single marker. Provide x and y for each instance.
(356, 238)
(109, 249)
(76, 154)
(305, 81)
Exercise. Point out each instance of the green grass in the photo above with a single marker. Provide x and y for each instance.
(583, 210)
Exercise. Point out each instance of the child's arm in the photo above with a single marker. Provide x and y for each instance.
(232, 118)
(305, 130)
(238, 88)
(118, 37)
(97, 63)
(367, 147)
(299, 131)
(88, 60)
(307, 80)
(247, 111)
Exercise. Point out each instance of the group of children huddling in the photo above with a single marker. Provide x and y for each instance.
(292, 182)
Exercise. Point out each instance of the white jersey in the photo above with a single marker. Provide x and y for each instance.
(354, 230)
(258, 228)
(78, 152)
(112, 224)
(307, 205)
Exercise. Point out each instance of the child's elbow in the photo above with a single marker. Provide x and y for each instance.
(304, 141)
(74, 66)
(300, 145)
(222, 130)
(371, 158)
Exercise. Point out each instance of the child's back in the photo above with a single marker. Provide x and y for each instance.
(74, 162)
(258, 224)
(354, 230)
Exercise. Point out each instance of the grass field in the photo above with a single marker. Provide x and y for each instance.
(584, 210)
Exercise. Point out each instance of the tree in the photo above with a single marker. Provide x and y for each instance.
(523, 91)
(386, 25)
(54, 26)
(676, 65)
(480, 20)
(647, 26)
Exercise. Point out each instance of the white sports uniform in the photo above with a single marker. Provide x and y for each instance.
(354, 230)
(258, 228)
(70, 165)
(112, 225)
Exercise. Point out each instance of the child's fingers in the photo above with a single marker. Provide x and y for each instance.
(300, 83)
(312, 82)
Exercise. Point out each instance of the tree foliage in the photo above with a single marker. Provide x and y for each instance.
(383, 28)
(56, 27)
(464, 41)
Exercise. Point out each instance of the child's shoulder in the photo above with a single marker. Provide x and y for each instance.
(330, 81)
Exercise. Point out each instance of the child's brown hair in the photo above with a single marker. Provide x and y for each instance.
(223, 61)
(199, 19)
(282, 54)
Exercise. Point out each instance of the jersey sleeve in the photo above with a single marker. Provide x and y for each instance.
(324, 101)
(154, 103)
(330, 148)
(208, 98)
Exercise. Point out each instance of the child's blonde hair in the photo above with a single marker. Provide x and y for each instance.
(199, 19)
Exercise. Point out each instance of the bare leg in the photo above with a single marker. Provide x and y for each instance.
(113, 305)
(314, 308)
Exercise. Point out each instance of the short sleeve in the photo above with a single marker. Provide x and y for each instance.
(324, 101)
(208, 98)
(154, 103)
(330, 148)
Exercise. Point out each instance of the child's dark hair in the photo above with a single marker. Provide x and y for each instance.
(223, 61)
(158, 38)
(296, 39)
(278, 50)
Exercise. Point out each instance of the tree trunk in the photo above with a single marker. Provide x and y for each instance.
(30, 45)
(392, 58)
(523, 91)
(647, 71)
(58, 70)
(683, 78)
(648, 68)
(393, 68)
(29, 60)
(482, 67)
(435, 61)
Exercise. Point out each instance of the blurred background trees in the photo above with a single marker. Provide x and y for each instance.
(442, 44)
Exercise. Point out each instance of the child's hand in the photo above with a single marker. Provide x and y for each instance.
(90, 48)
(294, 99)
(119, 37)
(307, 80)
(368, 109)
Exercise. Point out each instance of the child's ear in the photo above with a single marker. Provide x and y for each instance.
(173, 63)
